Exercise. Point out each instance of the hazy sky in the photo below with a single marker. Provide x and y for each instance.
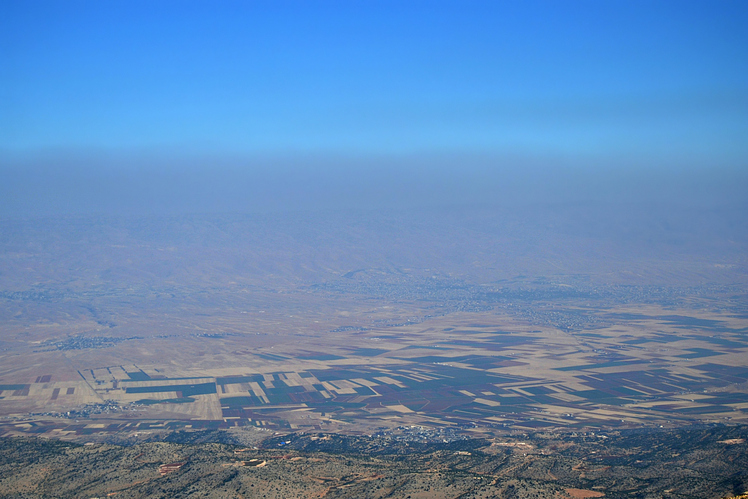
(106, 85)
(376, 76)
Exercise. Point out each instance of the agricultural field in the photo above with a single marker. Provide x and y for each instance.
(482, 371)
(126, 328)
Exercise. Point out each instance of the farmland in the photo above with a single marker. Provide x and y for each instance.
(155, 348)
(356, 338)
(506, 375)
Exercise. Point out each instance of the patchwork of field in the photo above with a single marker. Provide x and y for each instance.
(477, 321)
(473, 371)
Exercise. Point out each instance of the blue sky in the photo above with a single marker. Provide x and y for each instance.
(659, 82)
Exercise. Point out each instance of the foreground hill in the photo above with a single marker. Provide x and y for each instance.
(707, 462)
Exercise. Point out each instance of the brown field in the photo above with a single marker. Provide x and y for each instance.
(134, 333)
(465, 369)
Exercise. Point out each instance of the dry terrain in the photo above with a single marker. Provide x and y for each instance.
(677, 464)
(430, 327)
